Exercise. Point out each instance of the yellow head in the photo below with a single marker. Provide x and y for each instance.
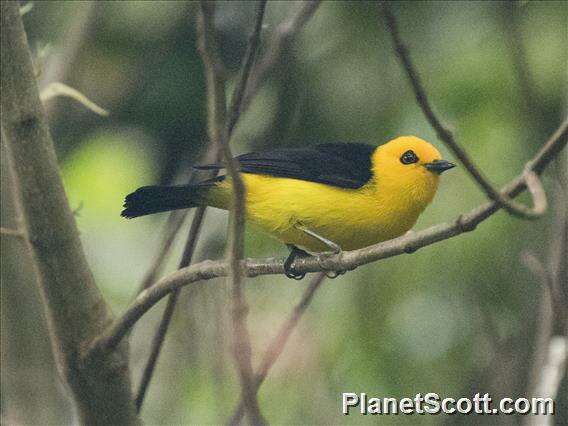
(409, 168)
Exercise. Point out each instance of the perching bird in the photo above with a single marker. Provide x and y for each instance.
(330, 196)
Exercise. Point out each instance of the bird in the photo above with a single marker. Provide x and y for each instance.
(317, 199)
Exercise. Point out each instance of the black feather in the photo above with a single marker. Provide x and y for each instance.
(345, 165)
(155, 199)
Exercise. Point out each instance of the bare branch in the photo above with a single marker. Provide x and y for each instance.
(76, 310)
(277, 344)
(444, 133)
(552, 373)
(235, 248)
(176, 220)
(283, 34)
(62, 61)
(160, 335)
(174, 223)
(280, 43)
(250, 55)
(57, 89)
(9, 232)
(548, 366)
(346, 260)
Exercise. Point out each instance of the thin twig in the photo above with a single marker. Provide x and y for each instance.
(63, 60)
(9, 232)
(160, 335)
(346, 260)
(175, 221)
(58, 89)
(173, 224)
(510, 16)
(235, 248)
(443, 132)
(279, 341)
(282, 36)
(547, 364)
(250, 56)
(279, 44)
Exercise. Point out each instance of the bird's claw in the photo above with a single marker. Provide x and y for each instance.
(289, 264)
(290, 270)
(294, 275)
(334, 274)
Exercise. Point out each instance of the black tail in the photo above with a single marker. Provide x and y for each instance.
(155, 199)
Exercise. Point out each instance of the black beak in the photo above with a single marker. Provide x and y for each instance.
(440, 166)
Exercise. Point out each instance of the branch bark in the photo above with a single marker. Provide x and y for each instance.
(277, 344)
(242, 96)
(552, 373)
(346, 260)
(160, 336)
(447, 136)
(75, 308)
(175, 221)
(279, 44)
(235, 249)
(61, 62)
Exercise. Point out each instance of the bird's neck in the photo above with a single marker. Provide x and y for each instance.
(404, 195)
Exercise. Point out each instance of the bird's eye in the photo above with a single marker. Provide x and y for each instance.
(408, 157)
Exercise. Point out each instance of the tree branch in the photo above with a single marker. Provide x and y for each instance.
(445, 134)
(9, 232)
(235, 248)
(250, 56)
(280, 42)
(176, 220)
(277, 344)
(60, 63)
(282, 38)
(552, 373)
(174, 223)
(159, 337)
(346, 260)
(75, 308)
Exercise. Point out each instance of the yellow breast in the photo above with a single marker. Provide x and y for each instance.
(352, 218)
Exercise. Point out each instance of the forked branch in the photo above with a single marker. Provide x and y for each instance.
(346, 260)
(235, 249)
(448, 138)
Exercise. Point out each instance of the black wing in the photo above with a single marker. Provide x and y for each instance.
(345, 165)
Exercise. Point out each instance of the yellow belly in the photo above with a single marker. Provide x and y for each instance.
(351, 218)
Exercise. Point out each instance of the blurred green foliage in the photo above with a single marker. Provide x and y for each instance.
(439, 320)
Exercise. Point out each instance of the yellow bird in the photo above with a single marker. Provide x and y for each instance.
(328, 196)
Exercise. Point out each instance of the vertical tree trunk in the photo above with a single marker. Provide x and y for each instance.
(75, 309)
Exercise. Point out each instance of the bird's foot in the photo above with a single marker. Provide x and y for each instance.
(320, 257)
(289, 267)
